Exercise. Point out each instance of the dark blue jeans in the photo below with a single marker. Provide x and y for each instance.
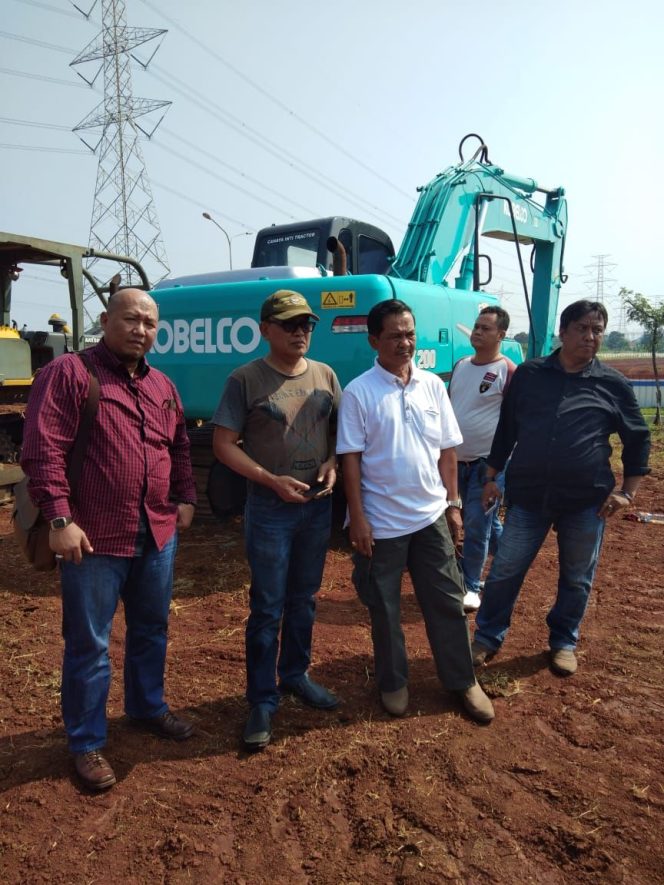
(286, 546)
(481, 531)
(90, 594)
(579, 544)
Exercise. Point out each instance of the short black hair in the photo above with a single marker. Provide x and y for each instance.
(578, 309)
(379, 311)
(502, 316)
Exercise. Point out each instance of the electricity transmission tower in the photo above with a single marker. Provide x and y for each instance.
(124, 218)
(600, 283)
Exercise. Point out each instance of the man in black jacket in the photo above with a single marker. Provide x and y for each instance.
(555, 422)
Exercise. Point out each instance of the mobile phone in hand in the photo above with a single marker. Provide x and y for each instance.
(315, 489)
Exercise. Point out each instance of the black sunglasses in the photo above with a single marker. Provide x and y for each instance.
(293, 325)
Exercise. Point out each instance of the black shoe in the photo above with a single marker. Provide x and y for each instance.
(310, 693)
(258, 730)
(168, 725)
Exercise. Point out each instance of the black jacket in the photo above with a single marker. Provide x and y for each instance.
(557, 425)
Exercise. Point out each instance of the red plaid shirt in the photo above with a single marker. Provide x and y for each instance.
(137, 454)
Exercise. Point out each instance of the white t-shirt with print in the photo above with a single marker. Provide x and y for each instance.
(477, 392)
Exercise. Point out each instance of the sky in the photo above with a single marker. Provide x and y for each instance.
(287, 111)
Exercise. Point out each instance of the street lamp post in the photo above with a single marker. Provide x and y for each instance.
(207, 216)
(229, 239)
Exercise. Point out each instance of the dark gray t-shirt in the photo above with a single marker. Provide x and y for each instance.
(287, 424)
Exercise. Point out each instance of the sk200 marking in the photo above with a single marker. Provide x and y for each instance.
(425, 359)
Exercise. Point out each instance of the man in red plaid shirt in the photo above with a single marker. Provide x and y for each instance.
(117, 539)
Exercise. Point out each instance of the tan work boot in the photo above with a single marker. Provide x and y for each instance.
(477, 704)
(563, 661)
(395, 702)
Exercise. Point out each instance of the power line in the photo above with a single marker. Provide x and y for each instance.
(44, 78)
(239, 126)
(339, 191)
(47, 150)
(198, 203)
(48, 8)
(14, 122)
(202, 168)
(266, 144)
(215, 159)
(34, 42)
(276, 101)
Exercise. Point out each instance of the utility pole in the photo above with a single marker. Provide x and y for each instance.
(124, 217)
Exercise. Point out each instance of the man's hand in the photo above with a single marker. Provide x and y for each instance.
(328, 475)
(612, 505)
(491, 495)
(361, 536)
(70, 543)
(184, 517)
(289, 489)
(455, 525)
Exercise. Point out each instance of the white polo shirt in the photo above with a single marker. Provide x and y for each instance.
(400, 430)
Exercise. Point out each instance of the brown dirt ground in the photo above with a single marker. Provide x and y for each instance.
(566, 786)
(634, 367)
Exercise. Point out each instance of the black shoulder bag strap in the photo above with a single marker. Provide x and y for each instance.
(77, 453)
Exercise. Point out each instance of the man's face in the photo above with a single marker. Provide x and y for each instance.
(130, 324)
(486, 336)
(581, 339)
(395, 345)
(288, 339)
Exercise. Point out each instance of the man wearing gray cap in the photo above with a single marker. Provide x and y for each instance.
(283, 408)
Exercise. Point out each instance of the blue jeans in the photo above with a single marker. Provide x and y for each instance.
(90, 594)
(579, 544)
(286, 546)
(481, 531)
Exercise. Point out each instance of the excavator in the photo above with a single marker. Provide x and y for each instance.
(209, 323)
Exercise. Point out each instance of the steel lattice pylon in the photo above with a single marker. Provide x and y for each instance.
(124, 218)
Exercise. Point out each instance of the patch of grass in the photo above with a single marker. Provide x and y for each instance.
(497, 684)
(656, 444)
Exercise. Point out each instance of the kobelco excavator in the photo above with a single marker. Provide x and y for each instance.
(209, 323)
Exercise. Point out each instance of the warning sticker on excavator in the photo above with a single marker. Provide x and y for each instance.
(337, 299)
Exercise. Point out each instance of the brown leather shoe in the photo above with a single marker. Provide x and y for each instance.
(93, 770)
(168, 725)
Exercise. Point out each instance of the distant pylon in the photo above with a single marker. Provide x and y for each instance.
(601, 285)
(124, 218)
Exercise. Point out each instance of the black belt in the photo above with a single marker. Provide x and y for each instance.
(469, 463)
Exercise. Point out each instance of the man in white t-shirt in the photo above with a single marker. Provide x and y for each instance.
(397, 434)
(477, 388)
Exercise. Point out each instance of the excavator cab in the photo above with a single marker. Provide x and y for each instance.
(368, 249)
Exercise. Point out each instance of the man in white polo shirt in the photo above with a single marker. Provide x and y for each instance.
(397, 434)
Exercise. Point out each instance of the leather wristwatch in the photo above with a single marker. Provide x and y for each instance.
(60, 522)
(455, 502)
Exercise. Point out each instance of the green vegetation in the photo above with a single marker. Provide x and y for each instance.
(651, 317)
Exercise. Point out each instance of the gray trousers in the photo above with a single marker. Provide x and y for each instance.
(429, 556)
